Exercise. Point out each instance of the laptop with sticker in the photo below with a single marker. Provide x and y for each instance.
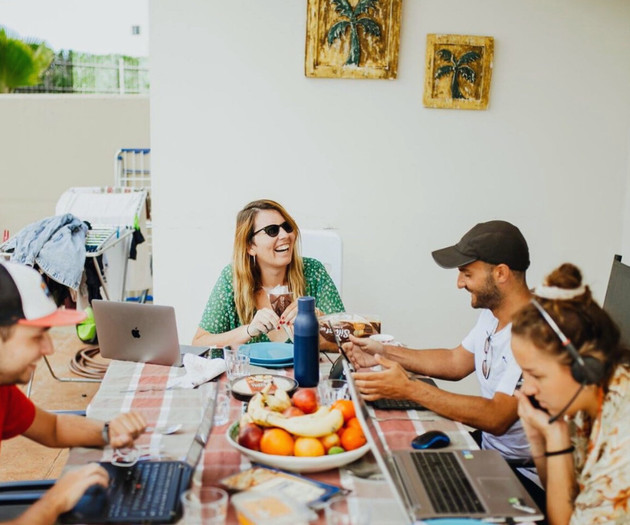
(446, 483)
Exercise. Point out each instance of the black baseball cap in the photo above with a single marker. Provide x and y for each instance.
(25, 299)
(494, 242)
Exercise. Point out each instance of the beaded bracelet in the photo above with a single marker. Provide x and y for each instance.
(560, 452)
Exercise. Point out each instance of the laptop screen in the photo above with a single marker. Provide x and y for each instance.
(203, 431)
(377, 443)
(617, 300)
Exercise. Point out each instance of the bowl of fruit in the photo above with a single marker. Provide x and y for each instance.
(296, 434)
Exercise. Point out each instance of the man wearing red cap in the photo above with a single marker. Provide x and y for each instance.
(492, 259)
(27, 311)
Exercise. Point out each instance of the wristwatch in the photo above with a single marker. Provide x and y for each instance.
(105, 433)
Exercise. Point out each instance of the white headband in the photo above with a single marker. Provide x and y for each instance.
(563, 294)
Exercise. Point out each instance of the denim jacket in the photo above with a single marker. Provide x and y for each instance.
(56, 244)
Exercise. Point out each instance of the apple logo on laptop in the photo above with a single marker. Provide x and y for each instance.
(135, 333)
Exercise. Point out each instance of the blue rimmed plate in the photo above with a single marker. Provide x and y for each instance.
(265, 354)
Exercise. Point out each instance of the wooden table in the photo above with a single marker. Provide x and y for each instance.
(134, 386)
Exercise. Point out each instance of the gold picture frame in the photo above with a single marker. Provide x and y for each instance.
(352, 40)
(458, 71)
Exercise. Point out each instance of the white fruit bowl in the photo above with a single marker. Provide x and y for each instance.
(295, 463)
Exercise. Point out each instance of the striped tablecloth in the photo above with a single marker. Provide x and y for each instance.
(134, 386)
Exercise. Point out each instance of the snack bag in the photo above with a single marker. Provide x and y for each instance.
(280, 298)
(344, 324)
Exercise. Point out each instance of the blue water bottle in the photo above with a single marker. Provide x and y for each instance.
(306, 343)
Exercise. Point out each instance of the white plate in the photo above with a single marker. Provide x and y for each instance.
(294, 463)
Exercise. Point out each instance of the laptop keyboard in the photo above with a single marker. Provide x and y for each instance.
(144, 490)
(446, 484)
(396, 404)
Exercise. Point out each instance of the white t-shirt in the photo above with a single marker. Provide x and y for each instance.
(504, 376)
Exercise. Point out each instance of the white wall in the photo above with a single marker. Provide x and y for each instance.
(235, 119)
(49, 143)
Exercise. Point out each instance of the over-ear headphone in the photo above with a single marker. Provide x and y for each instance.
(586, 370)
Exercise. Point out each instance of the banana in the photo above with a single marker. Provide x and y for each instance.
(278, 401)
(323, 421)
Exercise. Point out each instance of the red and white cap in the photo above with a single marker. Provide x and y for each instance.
(25, 299)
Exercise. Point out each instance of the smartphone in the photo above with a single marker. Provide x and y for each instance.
(536, 404)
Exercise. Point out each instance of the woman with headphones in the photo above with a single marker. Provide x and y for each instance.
(575, 401)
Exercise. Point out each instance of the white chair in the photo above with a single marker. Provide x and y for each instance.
(326, 247)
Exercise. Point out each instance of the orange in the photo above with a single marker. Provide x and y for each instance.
(330, 440)
(353, 423)
(346, 407)
(352, 438)
(276, 441)
(308, 446)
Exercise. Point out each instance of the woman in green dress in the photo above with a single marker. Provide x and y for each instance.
(266, 255)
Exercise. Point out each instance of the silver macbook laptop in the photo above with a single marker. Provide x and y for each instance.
(446, 483)
(145, 333)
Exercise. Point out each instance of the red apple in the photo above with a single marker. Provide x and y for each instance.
(249, 436)
(293, 411)
(305, 400)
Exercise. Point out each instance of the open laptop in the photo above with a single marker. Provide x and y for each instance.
(145, 333)
(617, 299)
(147, 492)
(485, 488)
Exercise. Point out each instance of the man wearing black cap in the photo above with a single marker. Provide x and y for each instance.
(27, 311)
(492, 259)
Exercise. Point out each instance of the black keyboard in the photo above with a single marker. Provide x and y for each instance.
(446, 483)
(144, 490)
(396, 404)
(401, 404)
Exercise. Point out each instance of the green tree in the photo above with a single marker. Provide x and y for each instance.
(353, 22)
(21, 63)
(458, 67)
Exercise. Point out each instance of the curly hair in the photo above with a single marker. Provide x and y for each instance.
(581, 319)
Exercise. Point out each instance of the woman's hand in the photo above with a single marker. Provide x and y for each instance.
(289, 314)
(534, 422)
(263, 322)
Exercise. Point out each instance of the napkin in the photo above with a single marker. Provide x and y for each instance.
(198, 370)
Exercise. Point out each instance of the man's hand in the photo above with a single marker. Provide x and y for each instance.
(361, 351)
(392, 382)
(125, 428)
(68, 489)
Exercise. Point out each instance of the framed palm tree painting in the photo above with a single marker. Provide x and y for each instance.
(458, 71)
(352, 38)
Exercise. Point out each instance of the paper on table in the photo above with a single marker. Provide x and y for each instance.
(198, 370)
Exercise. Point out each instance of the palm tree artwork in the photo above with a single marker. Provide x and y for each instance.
(355, 18)
(459, 68)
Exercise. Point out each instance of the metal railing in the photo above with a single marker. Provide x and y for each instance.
(94, 74)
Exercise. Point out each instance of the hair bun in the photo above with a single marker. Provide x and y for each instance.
(567, 276)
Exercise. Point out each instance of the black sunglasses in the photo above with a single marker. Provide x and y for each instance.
(486, 364)
(274, 229)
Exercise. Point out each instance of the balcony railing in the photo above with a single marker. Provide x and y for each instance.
(79, 73)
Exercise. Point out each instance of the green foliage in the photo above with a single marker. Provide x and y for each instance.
(21, 63)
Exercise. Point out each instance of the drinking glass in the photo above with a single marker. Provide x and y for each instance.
(349, 511)
(330, 390)
(236, 362)
(205, 506)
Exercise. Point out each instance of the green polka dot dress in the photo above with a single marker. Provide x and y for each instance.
(219, 315)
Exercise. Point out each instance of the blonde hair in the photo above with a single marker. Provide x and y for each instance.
(246, 274)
